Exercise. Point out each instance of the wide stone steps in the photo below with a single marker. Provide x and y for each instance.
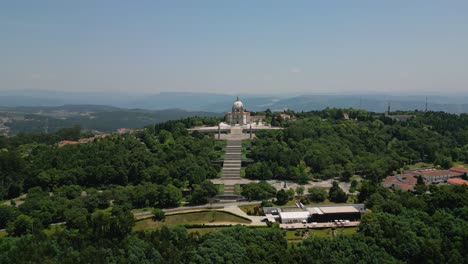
(231, 170)
(231, 177)
(229, 188)
(232, 163)
(231, 174)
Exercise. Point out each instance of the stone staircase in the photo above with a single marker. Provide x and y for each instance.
(231, 171)
(232, 164)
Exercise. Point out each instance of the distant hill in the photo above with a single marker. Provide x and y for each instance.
(89, 117)
(221, 103)
(319, 102)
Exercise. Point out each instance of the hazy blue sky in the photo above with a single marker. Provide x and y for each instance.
(235, 46)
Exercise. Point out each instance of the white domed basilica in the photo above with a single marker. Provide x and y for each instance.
(238, 116)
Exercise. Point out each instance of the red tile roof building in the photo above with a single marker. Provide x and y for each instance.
(407, 180)
(457, 181)
(436, 176)
(393, 181)
(459, 170)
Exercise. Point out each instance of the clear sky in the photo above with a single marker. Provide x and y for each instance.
(235, 46)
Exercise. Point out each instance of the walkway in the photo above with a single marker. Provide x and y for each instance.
(256, 220)
(232, 165)
(227, 207)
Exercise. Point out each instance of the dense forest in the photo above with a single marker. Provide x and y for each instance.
(160, 166)
(324, 145)
(90, 190)
(402, 228)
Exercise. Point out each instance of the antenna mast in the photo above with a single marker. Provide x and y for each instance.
(426, 105)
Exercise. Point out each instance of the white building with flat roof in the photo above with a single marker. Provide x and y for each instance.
(293, 217)
(339, 209)
(318, 213)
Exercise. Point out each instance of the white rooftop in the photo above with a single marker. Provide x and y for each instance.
(314, 210)
(294, 215)
(339, 209)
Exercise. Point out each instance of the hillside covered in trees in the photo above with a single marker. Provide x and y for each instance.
(324, 145)
(160, 167)
(89, 190)
(402, 228)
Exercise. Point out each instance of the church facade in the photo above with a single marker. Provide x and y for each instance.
(238, 115)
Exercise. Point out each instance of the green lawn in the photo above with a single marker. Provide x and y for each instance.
(201, 217)
(460, 163)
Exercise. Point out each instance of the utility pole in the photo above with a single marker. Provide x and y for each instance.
(426, 105)
(388, 110)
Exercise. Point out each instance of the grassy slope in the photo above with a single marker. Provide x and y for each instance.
(201, 217)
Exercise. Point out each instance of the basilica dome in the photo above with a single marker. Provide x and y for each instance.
(238, 106)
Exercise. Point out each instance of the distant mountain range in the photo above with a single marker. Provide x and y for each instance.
(97, 118)
(222, 102)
